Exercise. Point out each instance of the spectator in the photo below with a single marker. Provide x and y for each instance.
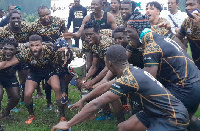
(105, 6)
(174, 16)
(76, 14)
(5, 21)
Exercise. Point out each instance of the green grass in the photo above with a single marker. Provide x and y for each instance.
(45, 120)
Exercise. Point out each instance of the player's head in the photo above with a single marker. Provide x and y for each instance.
(126, 10)
(9, 48)
(190, 5)
(91, 29)
(36, 45)
(44, 14)
(115, 57)
(120, 36)
(96, 6)
(153, 10)
(114, 5)
(15, 19)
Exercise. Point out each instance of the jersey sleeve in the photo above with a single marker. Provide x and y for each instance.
(23, 55)
(124, 86)
(85, 47)
(152, 52)
(184, 25)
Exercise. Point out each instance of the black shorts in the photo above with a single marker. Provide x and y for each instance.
(8, 82)
(189, 96)
(159, 123)
(22, 66)
(37, 76)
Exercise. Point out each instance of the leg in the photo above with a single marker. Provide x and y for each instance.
(55, 84)
(119, 111)
(22, 78)
(14, 99)
(132, 124)
(29, 89)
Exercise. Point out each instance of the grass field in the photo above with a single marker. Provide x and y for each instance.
(45, 120)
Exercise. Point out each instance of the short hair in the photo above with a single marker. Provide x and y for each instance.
(155, 4)
(131, 3)
(15, 11)
(177, 1)
(119, 29)
(10, 41)
(92, 24)
(42, 8)
(35, 37)
(116, 54)
(198, 1)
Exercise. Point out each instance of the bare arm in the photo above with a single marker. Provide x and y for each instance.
(93, 94)
(6, 64)
(128, 54)
(107, 78)
(88, 110)
(111, 20)
(88, 60)
(93, 69)
(152, 70)
(100, 76)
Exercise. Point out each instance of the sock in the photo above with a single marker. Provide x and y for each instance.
(120, 116)
(61, 108)
(30, 108)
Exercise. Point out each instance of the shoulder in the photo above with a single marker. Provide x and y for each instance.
(128, 79)
(106, 41)
(150, 45)
(36, 22)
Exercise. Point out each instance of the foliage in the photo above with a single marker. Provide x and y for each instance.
(27, 6)
(182, 5)
(30, 18)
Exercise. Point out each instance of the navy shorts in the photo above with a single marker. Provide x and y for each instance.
(160, 123)
(22, 66)
(37, 76)
(8, 82)
(190, 96)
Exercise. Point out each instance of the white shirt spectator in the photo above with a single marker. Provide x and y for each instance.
(178, 18)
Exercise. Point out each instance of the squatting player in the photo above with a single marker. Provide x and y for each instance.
(161, 110)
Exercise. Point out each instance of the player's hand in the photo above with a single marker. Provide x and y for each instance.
(78, 105)
(196, 19)
(165, 25)
(67, 35)
(63, 125)
(87, 85)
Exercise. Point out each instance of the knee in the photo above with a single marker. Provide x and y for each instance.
(15, 97)
(121, 127)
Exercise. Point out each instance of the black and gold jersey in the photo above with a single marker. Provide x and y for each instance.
(100, 48)
(193, 35)
(50, 32)
(48, 61)
(9, 72)
(175, 67)
(22, 36)
(118, 20)
(155, 99)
